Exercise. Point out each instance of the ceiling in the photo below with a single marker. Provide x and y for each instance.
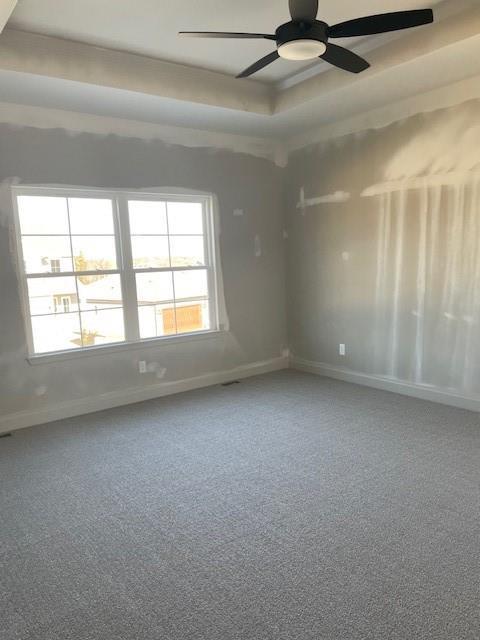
(190, 83)
(149, 27)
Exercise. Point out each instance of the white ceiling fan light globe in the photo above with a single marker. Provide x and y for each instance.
(304, 49)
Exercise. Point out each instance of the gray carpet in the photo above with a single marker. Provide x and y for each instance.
(286, 507)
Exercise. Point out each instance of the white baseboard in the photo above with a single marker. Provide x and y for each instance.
(31, 417)
(423, 392)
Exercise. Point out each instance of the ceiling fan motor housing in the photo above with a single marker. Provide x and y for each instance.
(301, 40)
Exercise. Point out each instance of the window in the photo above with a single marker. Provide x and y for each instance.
(110, 268)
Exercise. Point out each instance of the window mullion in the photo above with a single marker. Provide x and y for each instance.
(127, 274)
(209, 247)
(74, 269)
(171, 270)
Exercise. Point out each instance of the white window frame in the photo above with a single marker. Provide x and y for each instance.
(125, 268)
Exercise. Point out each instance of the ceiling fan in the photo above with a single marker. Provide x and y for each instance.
(306, 38)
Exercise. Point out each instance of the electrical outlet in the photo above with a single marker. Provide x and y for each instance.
(342, 349)
(142, 366)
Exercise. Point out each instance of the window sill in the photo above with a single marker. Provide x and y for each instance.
(118, 347)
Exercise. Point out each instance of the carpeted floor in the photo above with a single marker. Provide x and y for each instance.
(286, 507)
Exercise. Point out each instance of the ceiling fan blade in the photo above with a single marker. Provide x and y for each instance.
(226, 34)
(259, 64)
(381, 23)
(344, 59)
(303, 10)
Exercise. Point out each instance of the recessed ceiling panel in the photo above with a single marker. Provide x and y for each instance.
(149, 27)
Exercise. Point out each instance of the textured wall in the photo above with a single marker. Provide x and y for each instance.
(384, 250)
(254, 284)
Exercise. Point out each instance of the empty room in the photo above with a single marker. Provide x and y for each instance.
(239, 320)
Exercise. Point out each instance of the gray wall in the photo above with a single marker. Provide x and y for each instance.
(389, 261)
(384, 254)
(254, 285)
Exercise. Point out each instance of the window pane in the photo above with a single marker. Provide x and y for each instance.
(56, 333)
(153, 288)
(147, 217)
(52, 295)
(192, 316)
(185, 218)
(42, 215)
(91, 253)
(156, 320)
(190, 284)
(102, 327)
(99, 292)
(150, 251)
(187, 251)
(90, 216)
(47, 254)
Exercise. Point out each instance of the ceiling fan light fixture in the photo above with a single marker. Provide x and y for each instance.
(306, 38)
(302, 49)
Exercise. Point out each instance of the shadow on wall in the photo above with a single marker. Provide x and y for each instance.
(420, 224)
